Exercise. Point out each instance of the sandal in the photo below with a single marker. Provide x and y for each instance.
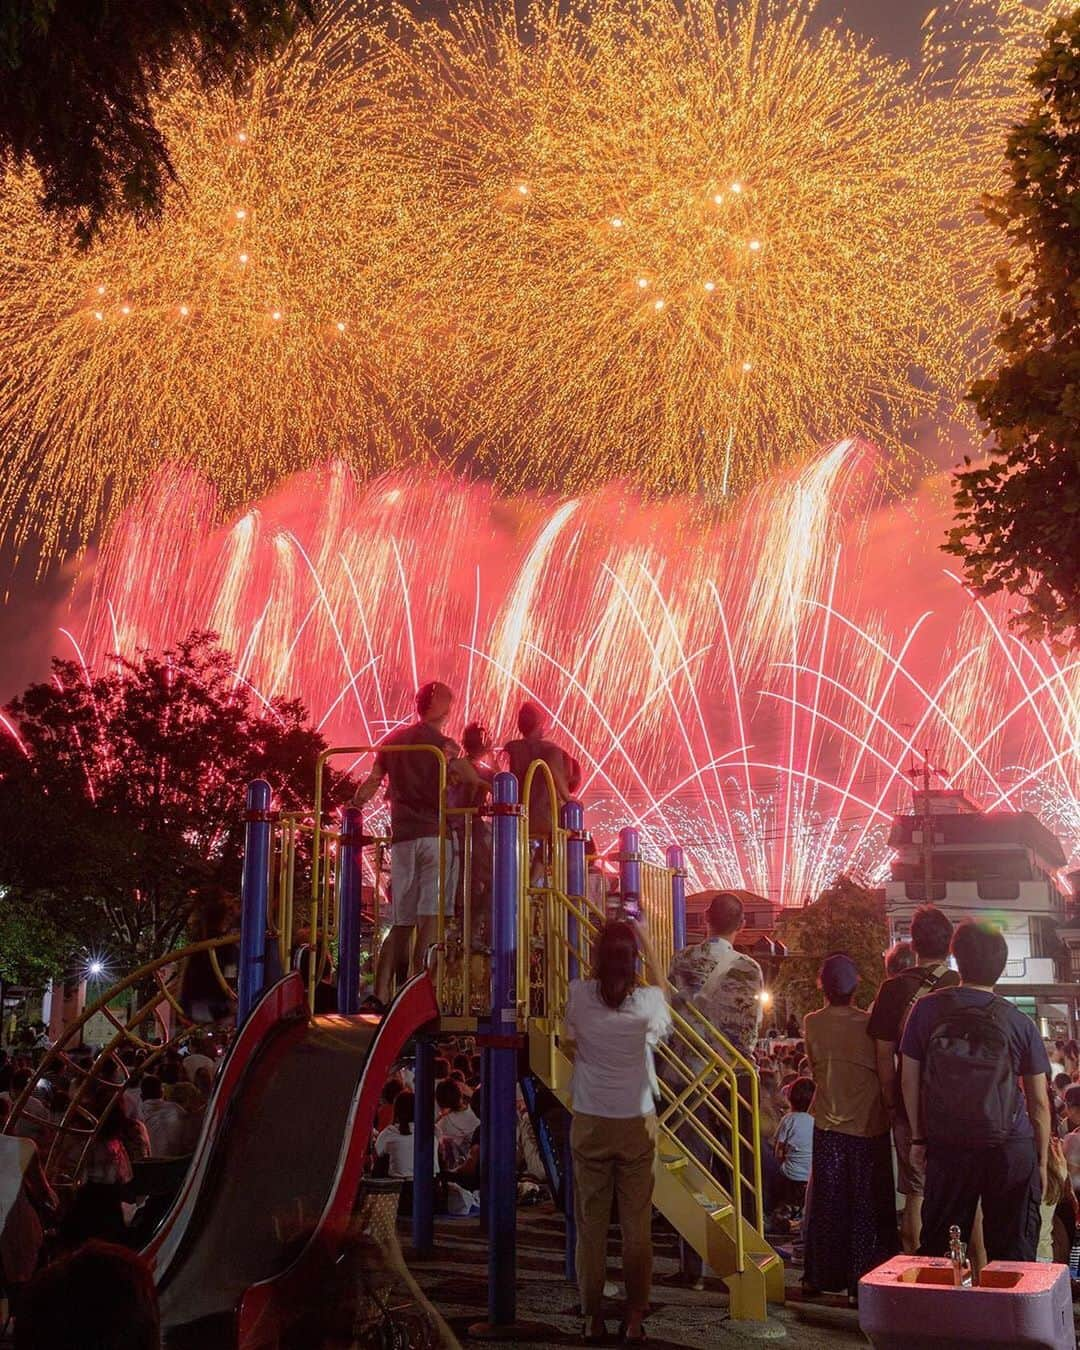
(591, 1337)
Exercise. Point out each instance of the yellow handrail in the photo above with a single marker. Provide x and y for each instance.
(537, 912)
(656, 905)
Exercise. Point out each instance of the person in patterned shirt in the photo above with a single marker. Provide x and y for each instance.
(722, 984)
(725, 987)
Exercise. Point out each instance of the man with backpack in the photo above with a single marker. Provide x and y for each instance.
(982, 1139)
(931, 932)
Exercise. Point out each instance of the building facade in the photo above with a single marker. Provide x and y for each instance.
(1003, 866)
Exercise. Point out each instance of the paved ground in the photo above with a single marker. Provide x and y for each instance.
(456, 1282)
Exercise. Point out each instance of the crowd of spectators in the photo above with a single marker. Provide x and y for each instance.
(844, 1174)
(64, 1182)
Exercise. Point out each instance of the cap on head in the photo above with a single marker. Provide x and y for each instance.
(839, 976)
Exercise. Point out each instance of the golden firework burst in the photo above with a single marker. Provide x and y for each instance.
(655, 241)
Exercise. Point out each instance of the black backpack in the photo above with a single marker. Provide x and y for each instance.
(969, 1091)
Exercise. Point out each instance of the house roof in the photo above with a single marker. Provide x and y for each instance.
(700, 899)
(987, 827)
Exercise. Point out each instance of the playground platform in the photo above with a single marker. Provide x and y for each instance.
(266, 1203)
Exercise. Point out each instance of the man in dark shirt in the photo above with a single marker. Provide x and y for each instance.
(533, 745)
(1008, 1178)
(931, 933)
(413, 791)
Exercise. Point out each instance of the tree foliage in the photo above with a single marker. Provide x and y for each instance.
(847, 918)
(78, 79)
(121, 801)
(1018, 516)
(33, 948)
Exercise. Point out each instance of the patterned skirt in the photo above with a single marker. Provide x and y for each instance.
(849, 1222)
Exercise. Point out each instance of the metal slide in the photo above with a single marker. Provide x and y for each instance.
(274, 1178)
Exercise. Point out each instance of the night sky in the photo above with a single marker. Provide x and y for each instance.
(33, 606)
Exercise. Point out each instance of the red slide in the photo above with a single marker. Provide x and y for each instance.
(280, 1157)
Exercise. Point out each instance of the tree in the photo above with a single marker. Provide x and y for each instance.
(122, 793)
(847, 918)
(32, 948)
(78, 79)
(1018, 516)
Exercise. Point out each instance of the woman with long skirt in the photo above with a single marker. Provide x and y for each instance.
(850, 1214)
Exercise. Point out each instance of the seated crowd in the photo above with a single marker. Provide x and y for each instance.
(458, 1092)
(155, 1118)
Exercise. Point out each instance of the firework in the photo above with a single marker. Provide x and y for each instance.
(666, 243)
(243, 337)
(753, 692)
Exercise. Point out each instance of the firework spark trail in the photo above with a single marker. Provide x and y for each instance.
(641, 631)
(672, 243)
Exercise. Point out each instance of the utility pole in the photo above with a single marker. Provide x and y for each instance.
(914, 773)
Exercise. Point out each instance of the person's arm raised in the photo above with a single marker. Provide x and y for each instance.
(654, 972)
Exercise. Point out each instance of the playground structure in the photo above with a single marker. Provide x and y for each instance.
(287, 1126)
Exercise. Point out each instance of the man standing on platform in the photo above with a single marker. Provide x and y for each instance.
(533, 745)
(413, 791)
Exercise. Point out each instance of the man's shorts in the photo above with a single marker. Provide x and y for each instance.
(910, 1180)
(414, 879)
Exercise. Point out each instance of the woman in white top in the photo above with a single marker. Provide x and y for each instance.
(397, 1141)
(456, 1124)
(613, 1024)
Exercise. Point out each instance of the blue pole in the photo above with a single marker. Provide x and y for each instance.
(423, 1213)
(505, 882)
(350, 883)
(254, 897)
(573, 820)
(500, 1092)
(630, 871)
(676, 860)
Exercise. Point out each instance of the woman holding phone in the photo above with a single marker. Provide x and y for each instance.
(613, 1023)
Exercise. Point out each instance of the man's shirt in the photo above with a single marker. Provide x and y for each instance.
(519, 755)
(413, 786)
(1026, 1049)
(897, 994)
(725, 987)
(168, 1126)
